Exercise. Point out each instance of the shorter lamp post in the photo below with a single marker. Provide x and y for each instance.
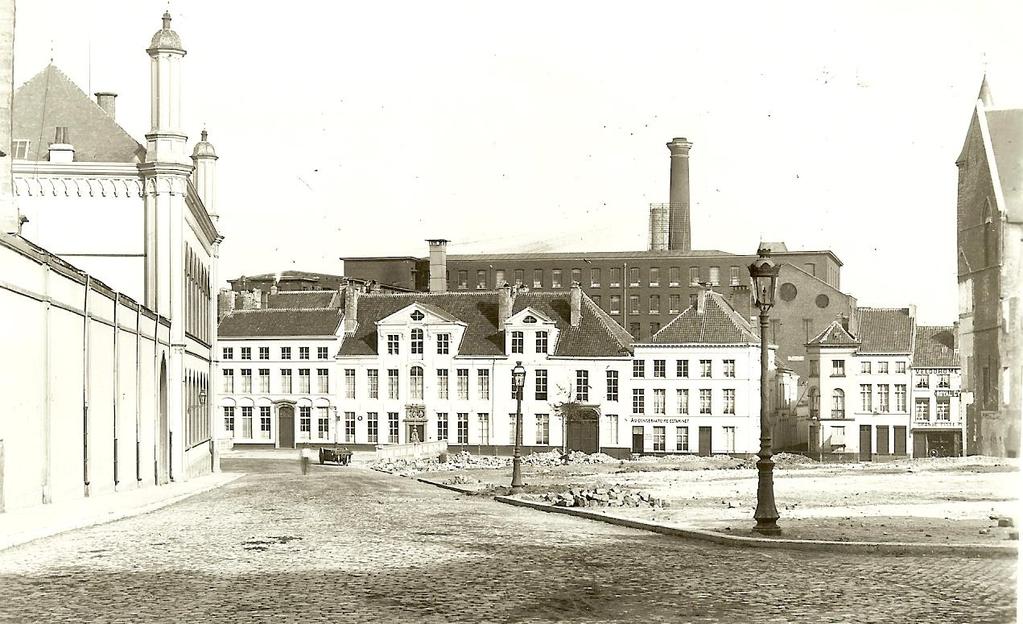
(337, 422)
(764, 274)
(518, 381)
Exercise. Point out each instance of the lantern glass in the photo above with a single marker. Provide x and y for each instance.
(519, 375)
(764, 274)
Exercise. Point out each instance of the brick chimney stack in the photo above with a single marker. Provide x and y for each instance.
(577, 304)
(438, 264)
(351, 307)
(679, 230)
(107, 101)
(61, 149)
(659, 225)
(505, 301)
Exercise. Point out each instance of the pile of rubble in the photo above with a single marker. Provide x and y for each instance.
(616, 496)
(464, 460)
(406, 467)
(788, 459)
(557, 458)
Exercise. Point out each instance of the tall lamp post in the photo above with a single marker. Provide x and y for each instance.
(764, 274)
(518, 381)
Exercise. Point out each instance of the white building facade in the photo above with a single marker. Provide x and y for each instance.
(939, 422)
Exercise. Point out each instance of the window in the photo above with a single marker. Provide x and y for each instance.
(866, 398)
(659, 439)
(373, 383)
(442, 426)
(659, 368)
(481, 279)
(462, 383)
(729, 439)
(634, 330)
(692, 300)
(900, 368)
(655, 276)
(443, 344)
(286, 381)
(303, 380)
(681, 438)
(815, 401)
(498, 278)
(463, 428)
(372, 427)
(415, 383)
(944, 380)
(582, 385)
(655, 304)
(674, 303)
(900, 398)
(595, 278)
(683, 400)
(634, 276)
(303, 353)
(729, 368)
(246, 380)
(392, 427)
(247, 422)
(305, 422)
(392, 344)
(392, 383)
(228, 380)
(229, 420)
(615, 304)
(417, 342)
(442, 383)
(577, 276)
(882, 398)
(807, 325)
(729, 395)
(681, 368)
(483, 384)
(715, 276)
(922, 409)
(323, 380)
(674, 275)
(865, 368)
(537, 278)
(659, 407)
(264, 353)
(705, 370)
(484, 419)
(596, 300)
(349, 382)
(838, 368)
(922, 380)
(811, 268)
(264, 422)
(814, 368)
(285, 353)
(264, 380)
(882, 368)
(837, 436)
(543, 429)
(517, 342)
(612, 420)
(541, 342)
(615, 278)
(733, 276)
(654, 328)
(541, 384)
(463, 279)
(520, 276)
(638, 368)
(838, 403)
(246, 353)
(228, 353)
(555, 278)
(633, 304)
(349, 427)
(943, 409)
(705, 405)
(321, 353)
(612, 385)
(20, 147)
(694, 276)
(638, 401)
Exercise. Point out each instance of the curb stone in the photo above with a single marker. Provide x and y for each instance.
(981, 551)
(446, 486)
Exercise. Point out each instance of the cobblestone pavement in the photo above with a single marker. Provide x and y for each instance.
(352, 545)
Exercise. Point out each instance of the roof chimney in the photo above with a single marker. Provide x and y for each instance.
(107, 101)
(577, 304)
(61, 149)
(351, 307)
(843, 319)
(679, 235)
(659, 227)
(742, 300)
(438, 264)
(701, 298)
(505, 301)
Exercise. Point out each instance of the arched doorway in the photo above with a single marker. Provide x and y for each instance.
(582, 428)
(163, 441)
(286, 426)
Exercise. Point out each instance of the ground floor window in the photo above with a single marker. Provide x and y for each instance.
(463, 428)
(373, 427)
(247, 422)
(323, 422)
(305, 422)
(349, 426)
(543, 428)
(922, 409)
(442, 426)
(612, 420)
(658, 438)
(229, 420)
(681, 438)
(729, 439)
(264, 422)
(392, 427)
(484, 427)
(943, 409)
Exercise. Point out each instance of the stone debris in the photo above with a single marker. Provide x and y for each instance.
(615, 496)
(464, 460)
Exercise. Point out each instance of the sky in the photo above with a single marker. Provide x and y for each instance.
(363, 128)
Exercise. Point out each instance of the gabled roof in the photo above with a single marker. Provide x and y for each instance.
(718, 323)
(598, 335)
(50, 99)
(277, 322)
(935, 347)
(884, 330)
(834, 335)
(433, 310)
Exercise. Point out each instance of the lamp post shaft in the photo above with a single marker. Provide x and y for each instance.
(516, 484)
(766, 514)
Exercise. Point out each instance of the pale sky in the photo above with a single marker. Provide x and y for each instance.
(363, 128)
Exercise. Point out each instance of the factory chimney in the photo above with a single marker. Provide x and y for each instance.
(679, 232)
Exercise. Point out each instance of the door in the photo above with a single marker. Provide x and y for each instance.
(865, 451)
(637, 439)
(882, 440)
(705, 441)
(286, 426)
(900, 440)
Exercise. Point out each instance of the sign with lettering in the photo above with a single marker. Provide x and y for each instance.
(661, 420)
(946, 393)
(933, 371)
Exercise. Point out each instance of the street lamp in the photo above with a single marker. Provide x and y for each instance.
(518, 381)
(764, 274)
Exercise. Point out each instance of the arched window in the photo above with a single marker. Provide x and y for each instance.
(417, 341)
(815, 402)
(838, 403)
(415, 378)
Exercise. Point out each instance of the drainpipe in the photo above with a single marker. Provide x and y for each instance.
(47, 392)
(625, 296)
(85, 385)
(117, 381)
(138, 396)
(156, 401)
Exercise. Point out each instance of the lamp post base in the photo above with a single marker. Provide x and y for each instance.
(516, 484)
(766, 514)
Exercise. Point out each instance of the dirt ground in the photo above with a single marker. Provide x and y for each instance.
(944, 500)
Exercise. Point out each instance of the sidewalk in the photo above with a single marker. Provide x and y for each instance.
(25, 525)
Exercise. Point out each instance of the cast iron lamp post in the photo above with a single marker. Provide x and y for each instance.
(518, 380)
(764, 274)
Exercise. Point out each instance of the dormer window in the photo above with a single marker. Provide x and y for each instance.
(417, 342)
(417, 315)
(541, 342)
(443, 344)
(392, 344)
(517, 342)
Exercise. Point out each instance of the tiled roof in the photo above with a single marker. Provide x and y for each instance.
(280, 322)
(935, 347)
(51, 99)
(1006, 131)
(597, 334)
(288, 275)
(719, 323)
(884, 330)
(304, 299)
(835, 335)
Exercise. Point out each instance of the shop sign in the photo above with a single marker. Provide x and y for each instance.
(946, 393)
(669, 420)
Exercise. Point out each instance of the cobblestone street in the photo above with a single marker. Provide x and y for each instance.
(351, 545)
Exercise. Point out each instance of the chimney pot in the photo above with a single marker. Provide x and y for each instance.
(107, 101)
(577, 304)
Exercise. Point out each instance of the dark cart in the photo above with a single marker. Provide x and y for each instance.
(335, 455)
